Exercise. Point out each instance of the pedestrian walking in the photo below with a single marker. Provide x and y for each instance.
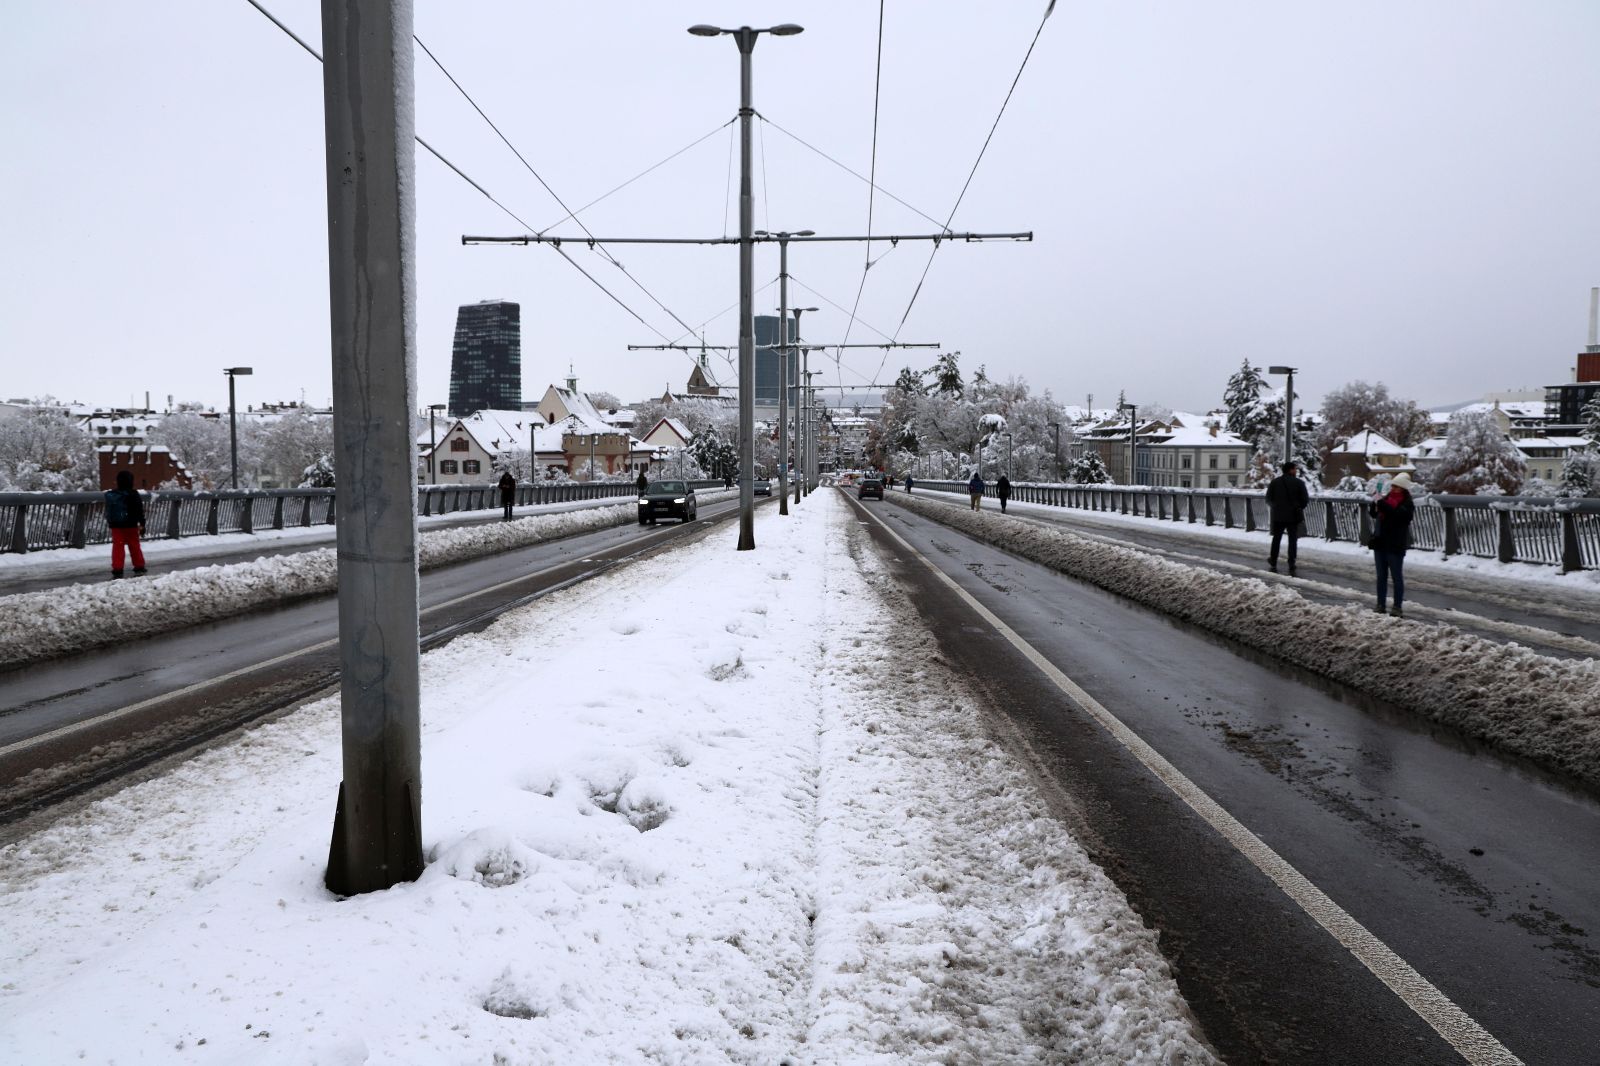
(1002, 489)
(975, 488)
(1287, 499)
(1391, 533)
(642, 484)
(125, 518)
(909, 482)
(508, 492)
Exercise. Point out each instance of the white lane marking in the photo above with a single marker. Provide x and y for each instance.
(1516, 631)
(1471, 1040)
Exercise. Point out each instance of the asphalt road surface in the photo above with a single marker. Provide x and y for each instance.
(1561, 619)
(70, 725)
(1478, 873)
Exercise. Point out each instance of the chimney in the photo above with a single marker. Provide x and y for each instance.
(1594, 319)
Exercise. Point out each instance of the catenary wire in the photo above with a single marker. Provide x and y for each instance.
(872, 185)
(967, 184)
(853, 173)
(636, 177)
(463, 175)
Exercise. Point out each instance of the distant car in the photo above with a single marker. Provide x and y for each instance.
(761, 487)
(667, 499)
(870, 487)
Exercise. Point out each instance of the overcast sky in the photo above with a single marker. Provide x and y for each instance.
(1392, 191)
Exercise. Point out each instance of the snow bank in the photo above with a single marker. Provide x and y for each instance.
(75, 618)
(1540, 708)
(707, 836)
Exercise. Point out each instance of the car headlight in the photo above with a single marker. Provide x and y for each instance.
(643, 501)
(680, 499)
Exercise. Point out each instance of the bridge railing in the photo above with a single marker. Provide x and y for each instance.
(40, 521)
(1528, 529)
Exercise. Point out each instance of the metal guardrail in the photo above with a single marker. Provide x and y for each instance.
(1525, 529)
(41, 521)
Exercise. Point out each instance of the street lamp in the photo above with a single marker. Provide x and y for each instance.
(1288, 410)
(1055, 427)
(784, 340)
(745, 38)
(233, 424)
(1009, 470)
(1133, 439)
(805, 362)
(433, 444)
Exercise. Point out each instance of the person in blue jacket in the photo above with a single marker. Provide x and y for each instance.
(975, 488)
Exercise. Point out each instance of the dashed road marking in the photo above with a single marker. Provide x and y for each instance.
(1474, 1043)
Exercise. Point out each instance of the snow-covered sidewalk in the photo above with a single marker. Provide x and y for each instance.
(681, 813)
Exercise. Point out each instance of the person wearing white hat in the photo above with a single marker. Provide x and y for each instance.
(1391, 534)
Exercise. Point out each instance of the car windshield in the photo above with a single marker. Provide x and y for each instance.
(675, 488)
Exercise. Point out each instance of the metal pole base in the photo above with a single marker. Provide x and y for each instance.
(361, 866)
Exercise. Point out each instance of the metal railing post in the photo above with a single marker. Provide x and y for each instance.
(1507, 540)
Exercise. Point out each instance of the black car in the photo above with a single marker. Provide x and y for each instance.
(667, 499)
(761, 487)
(870, 486)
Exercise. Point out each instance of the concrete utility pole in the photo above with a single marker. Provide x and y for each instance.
(233, 424)
(1288, 410)
(800, 480)
(1055, 427)
(783, 360)
(377, 830)
(1133, 440)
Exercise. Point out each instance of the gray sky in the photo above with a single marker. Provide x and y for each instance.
(1392, 191)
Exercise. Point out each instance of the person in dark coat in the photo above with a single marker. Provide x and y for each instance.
(642, 484)
(508, 492)
(1391, 534)
(975, 489)
(1002, 489)
(1287, 499)
(909, 483)
(125, 518)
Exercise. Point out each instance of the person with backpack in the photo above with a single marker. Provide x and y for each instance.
(508, 493)
(1002, 489)
(125, 519)
(975, 489)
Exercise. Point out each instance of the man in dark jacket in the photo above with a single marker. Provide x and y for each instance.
(508, 492)
(1002, 489)
(642, 483)
(975, 489)
(125, 519)
(1287, 499)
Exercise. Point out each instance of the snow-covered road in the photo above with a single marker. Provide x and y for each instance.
(695, 811)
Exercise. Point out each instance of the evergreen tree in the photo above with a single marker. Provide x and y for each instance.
(1088, 469)
(947, 375)
(1478, 458)
(1242, 398)
(713, 452)
(1591, 420)
(1580, 474)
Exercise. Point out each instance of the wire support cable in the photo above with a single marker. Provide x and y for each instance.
(981, 152)
(692, 144)
(872, 188)
(848, 169)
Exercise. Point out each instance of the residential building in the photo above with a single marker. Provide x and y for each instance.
(1367, 455)
(486, 358)
(473, 449)
(1193, 457)
(152, 465)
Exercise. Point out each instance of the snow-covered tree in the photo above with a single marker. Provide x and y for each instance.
(45, 449)
(202, 445)
(294, 444)
(1088, 469)
(1580, 474)
(604, 401)
(947, 374)
(1477, 458)
(1591, 422)
(1359, 405)
(1242, 398)
(1351, 483)
(714, 453)
(319, 475)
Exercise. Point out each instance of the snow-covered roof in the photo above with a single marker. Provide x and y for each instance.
(1200, 436)
(1369, 442)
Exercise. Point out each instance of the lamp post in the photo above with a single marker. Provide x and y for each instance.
(784, 340)
(1288, 410)
(798, 311)
(233, 424)
(592, 438)
(1133, 440)
(1055, 427)
(745, 37)
(1009, 470)
(433, 444)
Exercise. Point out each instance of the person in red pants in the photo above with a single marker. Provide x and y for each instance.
(125, 517)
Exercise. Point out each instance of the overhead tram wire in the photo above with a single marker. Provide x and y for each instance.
(848, 170)
(968, 183)
(692, 144)
(297, 39)
(872, 186)
(600, 249)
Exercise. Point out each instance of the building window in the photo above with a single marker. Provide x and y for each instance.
(1213, 478)
(1185, 482)
(1233, 464)
(471, 466)
(1233, 480)
(1213, 465)
(459, 444)
(447, 466)
(1187, 460)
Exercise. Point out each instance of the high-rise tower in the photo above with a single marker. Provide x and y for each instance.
(486, 359)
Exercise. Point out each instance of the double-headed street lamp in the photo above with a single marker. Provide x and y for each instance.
(745, 38)
(233, 424)
(1288, 410)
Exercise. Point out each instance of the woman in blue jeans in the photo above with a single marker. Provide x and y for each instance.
(1391, 532)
